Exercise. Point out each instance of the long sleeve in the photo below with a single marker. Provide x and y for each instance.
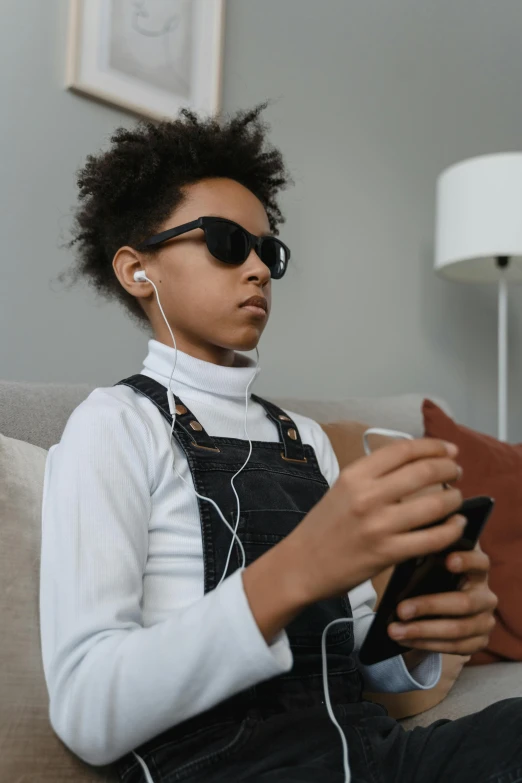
(113, 683)
(392, 675)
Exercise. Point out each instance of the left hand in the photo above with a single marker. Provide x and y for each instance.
(467, 614)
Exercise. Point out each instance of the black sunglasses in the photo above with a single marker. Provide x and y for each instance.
(231, 243)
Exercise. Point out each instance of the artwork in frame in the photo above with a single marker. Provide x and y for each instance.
(150, 57)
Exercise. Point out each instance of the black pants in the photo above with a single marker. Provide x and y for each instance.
(305, 747)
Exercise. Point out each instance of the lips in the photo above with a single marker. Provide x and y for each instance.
(256, 301)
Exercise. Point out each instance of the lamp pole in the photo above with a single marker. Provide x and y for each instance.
(502, 263)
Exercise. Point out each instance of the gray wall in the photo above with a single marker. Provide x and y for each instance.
(372, 101)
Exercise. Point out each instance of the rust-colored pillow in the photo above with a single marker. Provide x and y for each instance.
(346, 439)
(492, 468)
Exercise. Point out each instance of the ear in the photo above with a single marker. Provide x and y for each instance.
(125, 263)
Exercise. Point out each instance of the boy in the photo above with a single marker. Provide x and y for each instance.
(198, 540)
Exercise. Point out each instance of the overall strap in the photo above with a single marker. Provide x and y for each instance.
(290, 438)
(186, 422)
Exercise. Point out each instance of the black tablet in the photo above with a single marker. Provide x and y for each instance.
(422, 576)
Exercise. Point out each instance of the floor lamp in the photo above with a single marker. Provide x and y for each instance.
(479, 238)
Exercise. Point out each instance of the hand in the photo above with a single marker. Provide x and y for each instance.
(365, 523)
(467, 615)
(369, 519)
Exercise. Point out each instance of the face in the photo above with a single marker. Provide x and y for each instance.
(202, 297)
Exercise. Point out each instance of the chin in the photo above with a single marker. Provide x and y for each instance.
(244, 342)
(248, 346)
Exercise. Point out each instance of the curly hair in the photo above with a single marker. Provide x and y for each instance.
(127, 192)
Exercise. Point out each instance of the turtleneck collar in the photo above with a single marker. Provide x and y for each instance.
(198, 375)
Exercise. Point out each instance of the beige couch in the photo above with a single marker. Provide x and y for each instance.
(36, 414)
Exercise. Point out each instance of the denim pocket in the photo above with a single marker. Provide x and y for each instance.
(191, 755)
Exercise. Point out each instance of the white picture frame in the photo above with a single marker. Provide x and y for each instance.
(149, 57)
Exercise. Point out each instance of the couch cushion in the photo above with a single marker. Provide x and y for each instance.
(476, 688)
(38, 412)
(31, 752)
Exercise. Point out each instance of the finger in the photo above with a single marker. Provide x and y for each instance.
(455, 604)
(470, 562)
(463, 647)
(444, 629)
(414, 477)
(421, 511)
(419, 543)
(399, 453)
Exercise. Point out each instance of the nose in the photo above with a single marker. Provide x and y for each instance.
(255, 270)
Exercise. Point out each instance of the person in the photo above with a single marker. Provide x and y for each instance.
(197, 539)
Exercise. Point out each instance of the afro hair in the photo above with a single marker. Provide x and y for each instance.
(128, 191)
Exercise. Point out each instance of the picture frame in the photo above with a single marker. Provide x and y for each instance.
(148, 57)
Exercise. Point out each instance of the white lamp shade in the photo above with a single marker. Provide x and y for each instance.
(479, 217)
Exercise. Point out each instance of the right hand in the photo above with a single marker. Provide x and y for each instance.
(369, 519)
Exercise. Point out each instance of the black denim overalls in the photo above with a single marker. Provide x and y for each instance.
(280, 484)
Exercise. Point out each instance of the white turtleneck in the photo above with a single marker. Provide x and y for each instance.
(131, 644)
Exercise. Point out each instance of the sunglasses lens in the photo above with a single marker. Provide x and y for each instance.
(275, 255)
(231, 244)
(227, 242)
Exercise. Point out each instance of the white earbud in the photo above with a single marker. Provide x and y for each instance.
(140, 277)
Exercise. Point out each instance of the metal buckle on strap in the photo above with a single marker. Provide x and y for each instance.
(289, 459)
(207, 448)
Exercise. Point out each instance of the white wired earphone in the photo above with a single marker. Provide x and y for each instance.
(347, 774)
(141, 277)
